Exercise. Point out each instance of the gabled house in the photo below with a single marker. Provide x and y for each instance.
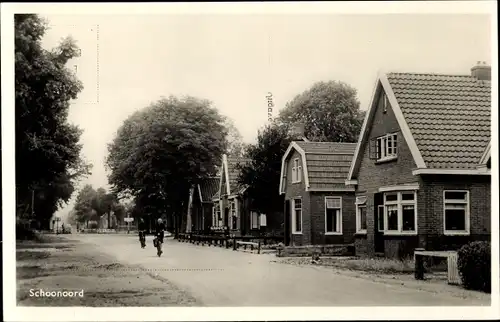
(422, 164)
(201, 204)
(231, 205)
(319, 207)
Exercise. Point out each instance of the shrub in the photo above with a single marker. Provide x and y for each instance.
(474, 266)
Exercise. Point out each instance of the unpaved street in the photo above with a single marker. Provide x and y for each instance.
(211, 276)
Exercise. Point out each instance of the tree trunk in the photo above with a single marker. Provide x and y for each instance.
(189, 218)
(109, 219)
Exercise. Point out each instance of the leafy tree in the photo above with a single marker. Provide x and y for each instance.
(329, 111)
(263, 173)
(44, 87)
(236, 146)
(84, 211)
(160, 151)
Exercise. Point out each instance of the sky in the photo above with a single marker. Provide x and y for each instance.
(130, 61)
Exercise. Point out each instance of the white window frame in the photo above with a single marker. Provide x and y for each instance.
(467, 212)
(254, 222)
(400, 203)
(294, 230)
(233, 212)
(360, 203)
(296, 171)
(381, 142)
(339, 219)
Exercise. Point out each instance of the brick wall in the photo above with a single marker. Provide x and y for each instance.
(432, 230)
(317, 218)
(371, 175)
(298, 190)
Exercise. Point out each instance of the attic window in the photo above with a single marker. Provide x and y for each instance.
(296, 171)
(385, 102)
(387, 147)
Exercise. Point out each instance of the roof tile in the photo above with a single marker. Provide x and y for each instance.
(448, 115)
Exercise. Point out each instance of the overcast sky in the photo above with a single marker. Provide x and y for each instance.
(234, 61)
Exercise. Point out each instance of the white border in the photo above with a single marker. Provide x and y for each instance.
(13, 313)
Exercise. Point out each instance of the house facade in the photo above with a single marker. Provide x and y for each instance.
(421, 168)
(319, 207)
(231, 205)
(201, 204)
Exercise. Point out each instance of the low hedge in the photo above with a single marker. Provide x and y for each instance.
(474, 266)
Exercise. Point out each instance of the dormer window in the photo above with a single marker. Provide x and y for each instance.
(387, 147)
(296, 171)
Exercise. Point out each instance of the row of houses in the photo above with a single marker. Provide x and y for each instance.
(419, 175)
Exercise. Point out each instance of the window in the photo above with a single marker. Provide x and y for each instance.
(400, 214)
(216, 216)
(456, 212)
(385, 102)
(296, 171)
(233, 213)
(361, 214)
(297, 216)
(263, 220)
(333, 215)
(254, 220)
(387, 146)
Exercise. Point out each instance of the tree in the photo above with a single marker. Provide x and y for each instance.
(44, 87)
(160, 151)
(262, 174)
(329, 111)
(236, 146)
(84, 211)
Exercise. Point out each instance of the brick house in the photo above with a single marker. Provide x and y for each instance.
(201, 203)
(422, 163)
(231, 205)
(319, 207)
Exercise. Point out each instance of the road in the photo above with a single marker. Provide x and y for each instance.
(223, 277)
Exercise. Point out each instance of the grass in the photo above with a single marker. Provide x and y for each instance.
(379, 265)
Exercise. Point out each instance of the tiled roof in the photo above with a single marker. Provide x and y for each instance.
(448, 115)
(327, 163)
(209, 187)
(233, 171)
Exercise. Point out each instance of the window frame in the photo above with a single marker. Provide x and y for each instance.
(294, 219)
(296, 171)
(254, 222)
(339, 219)
(383, 154)
(399, 203)
(465, 232)
(360, 204)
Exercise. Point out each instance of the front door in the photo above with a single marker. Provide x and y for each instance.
(379, 223)
(287, 223)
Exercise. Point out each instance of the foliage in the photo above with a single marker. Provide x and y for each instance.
(474, 266)
(236, 146)
(329, 111)
(160, 151)
(262, 175)
(44, 87)
(92, 204)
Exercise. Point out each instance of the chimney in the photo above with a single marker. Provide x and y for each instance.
(297, 132)
(481, 71)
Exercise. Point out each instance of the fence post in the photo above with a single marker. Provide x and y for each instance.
(234, 244)
(419, 265)
(258, 249)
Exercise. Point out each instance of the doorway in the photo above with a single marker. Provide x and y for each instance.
(379, 222)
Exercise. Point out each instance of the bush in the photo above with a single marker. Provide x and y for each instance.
(474, 266)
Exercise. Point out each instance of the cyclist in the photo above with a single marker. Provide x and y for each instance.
(142, 232)
(160, 232)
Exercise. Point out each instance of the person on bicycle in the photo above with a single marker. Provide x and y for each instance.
(142, 232)
(160, 230)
